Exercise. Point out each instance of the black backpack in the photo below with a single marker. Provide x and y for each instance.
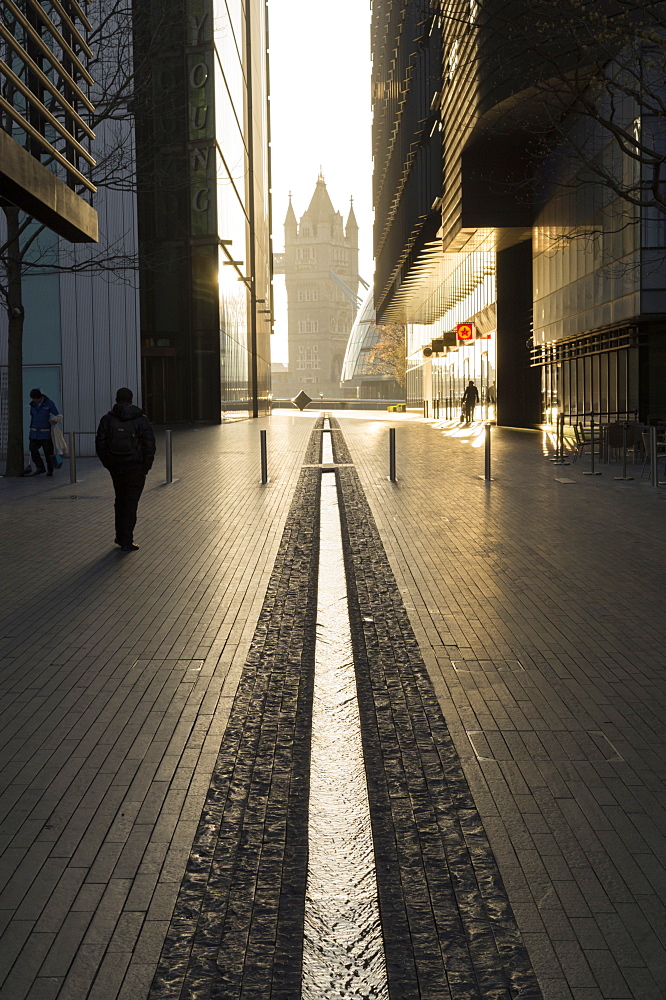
(122, 438)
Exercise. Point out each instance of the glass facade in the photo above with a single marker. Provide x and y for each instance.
(365, 334)
(599, 287)
(466, 294)
(206, 304)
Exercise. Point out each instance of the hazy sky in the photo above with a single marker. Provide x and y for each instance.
(320, 117)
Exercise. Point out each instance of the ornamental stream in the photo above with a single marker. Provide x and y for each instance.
(343, 952)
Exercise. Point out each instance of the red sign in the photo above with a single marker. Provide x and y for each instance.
(465, 333)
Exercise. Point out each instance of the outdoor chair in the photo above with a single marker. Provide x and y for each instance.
(583, 440)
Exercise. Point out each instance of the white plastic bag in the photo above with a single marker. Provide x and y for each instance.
(57, 436)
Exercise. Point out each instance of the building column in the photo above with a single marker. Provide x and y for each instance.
(518, 384)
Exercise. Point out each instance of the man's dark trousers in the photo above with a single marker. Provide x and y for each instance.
(47, 445)
(128, 484)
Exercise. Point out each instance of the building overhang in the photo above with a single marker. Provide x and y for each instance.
(475, 240)
(31, 186)
(416, 299)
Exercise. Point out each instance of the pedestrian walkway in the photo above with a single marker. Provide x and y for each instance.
(537, 609)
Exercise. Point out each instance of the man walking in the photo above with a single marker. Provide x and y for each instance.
(125, 445)
(41, 410)
(469, 401)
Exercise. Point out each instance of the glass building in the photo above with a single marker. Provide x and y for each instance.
(463, 291)
(599, 289)
(356, 376)
(499, 203)
(180, 306)
(46, 168)
(204, 211)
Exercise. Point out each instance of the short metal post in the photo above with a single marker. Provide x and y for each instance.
(169, 458)
(392, 475)
(560, 453)
(654, 474)
(72, 456)
(487, 455)
(556, 457)
(624, 476)
(593, 445)
(264, 457)
(562, 437)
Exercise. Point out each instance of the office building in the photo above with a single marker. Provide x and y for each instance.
(492, 211)
(204, 210)
(46, 180)
(182, 161)
(45, 135)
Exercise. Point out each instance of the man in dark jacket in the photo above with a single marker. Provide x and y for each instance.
(125, 444)
(41, 408)
(469, 401)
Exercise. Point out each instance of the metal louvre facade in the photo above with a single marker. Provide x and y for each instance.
(45, 137)
(407, 146)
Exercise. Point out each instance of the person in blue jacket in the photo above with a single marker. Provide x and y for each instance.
(41, 408)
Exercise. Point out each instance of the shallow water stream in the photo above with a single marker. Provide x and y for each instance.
(343, 953)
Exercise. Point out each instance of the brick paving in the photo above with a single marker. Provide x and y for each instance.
(238, 921)
(438, 882)
(538, 610)
(117, 673)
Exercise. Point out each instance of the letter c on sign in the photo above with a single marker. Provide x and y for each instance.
(200, 200)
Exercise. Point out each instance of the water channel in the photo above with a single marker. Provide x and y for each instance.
(343, 952)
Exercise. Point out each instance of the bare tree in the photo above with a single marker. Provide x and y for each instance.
(387, 356)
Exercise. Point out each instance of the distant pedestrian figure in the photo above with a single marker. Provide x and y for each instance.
(125, 445)
(469, 401)
(41, 410)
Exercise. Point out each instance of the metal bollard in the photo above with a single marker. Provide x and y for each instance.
(72, 457)
(557, 457)
(169, 458)
(654, 474)
(264, 457)
(392, 475)
(624, 477)
(561, 452)
(561, 437)
(593, 444)
(487, 475)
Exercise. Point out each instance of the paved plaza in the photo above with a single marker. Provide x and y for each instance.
(513, 629)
